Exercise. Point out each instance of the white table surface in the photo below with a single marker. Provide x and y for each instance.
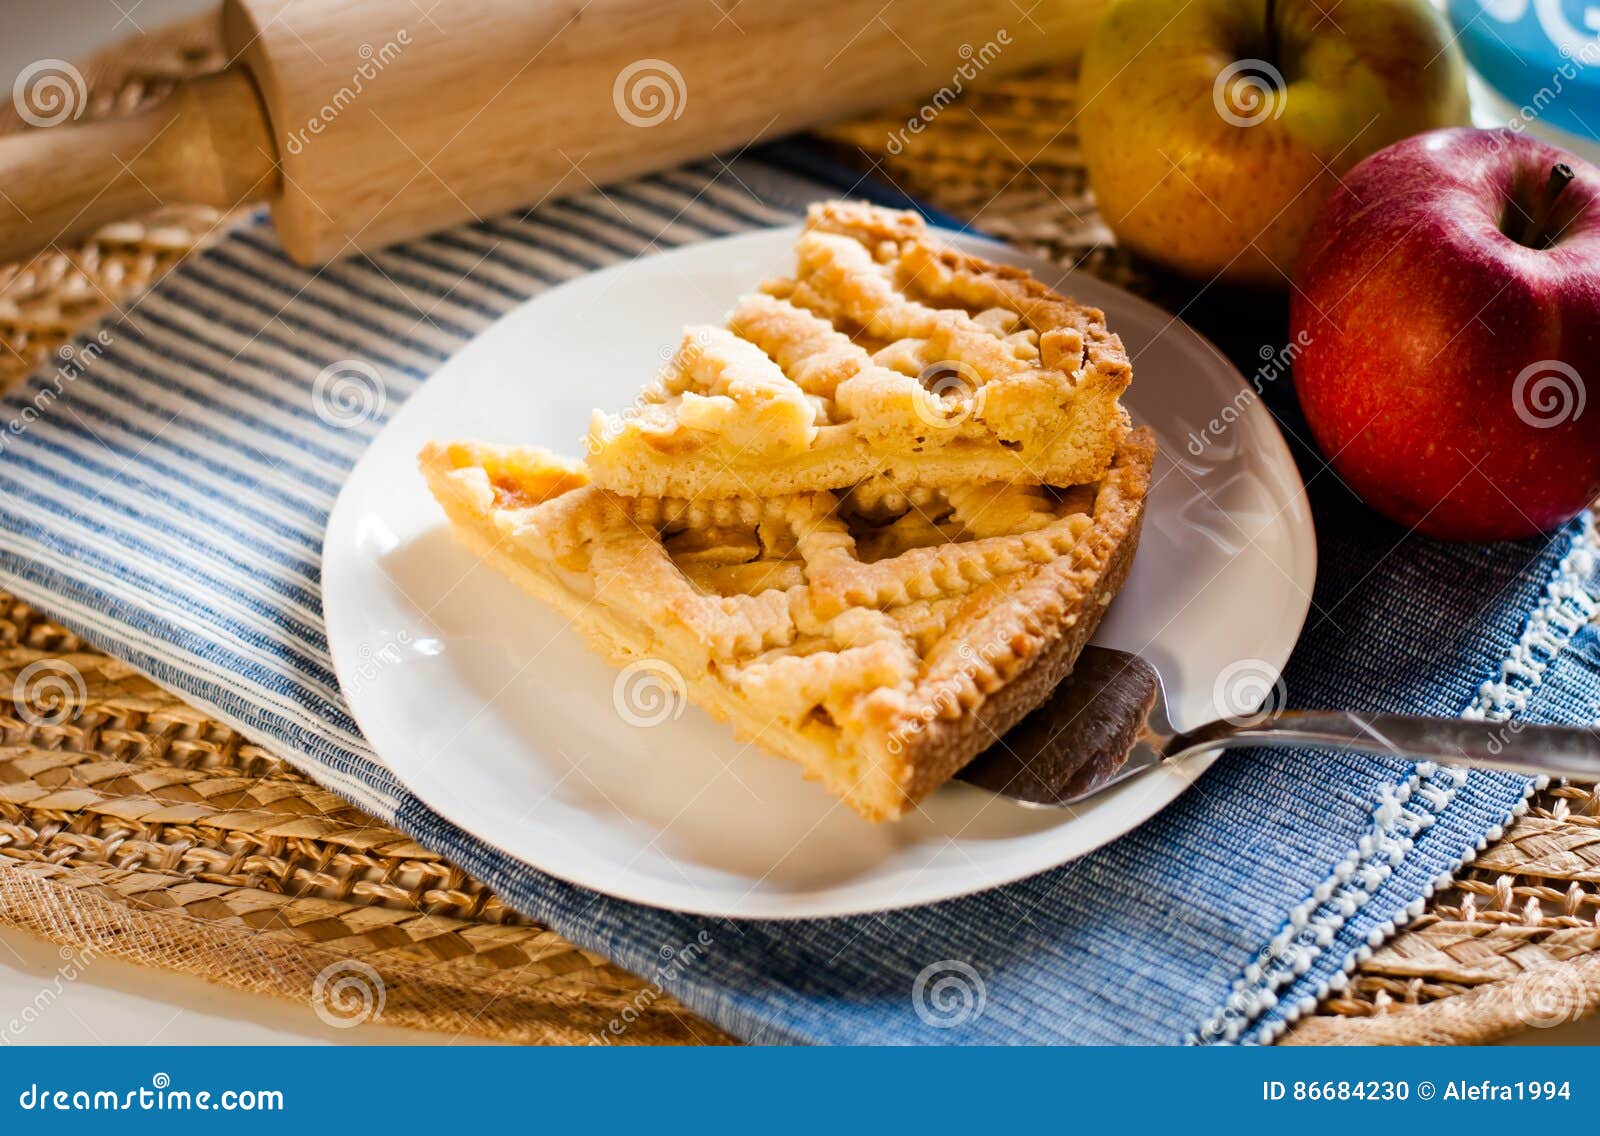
(118, 1003)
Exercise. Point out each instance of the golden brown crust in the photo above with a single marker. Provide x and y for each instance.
(878, 648)
(997, 285)
(1083, 583)
(886, 353)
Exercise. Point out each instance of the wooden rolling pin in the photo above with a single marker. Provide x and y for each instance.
(370, 121)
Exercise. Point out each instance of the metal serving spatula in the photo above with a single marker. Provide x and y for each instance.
(1107, 723)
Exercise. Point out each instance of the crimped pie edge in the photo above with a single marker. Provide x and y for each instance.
(1071, 591)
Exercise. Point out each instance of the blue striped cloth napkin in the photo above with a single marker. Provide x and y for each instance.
(163, 492)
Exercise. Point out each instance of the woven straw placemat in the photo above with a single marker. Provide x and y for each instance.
(134, 826)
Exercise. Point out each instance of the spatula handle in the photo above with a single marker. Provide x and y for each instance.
(208, 145)
(1557, 751)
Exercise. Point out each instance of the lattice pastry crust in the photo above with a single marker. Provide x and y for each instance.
(882, 639)
(886, 353)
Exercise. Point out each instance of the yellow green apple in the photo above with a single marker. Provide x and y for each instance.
(1214, 129)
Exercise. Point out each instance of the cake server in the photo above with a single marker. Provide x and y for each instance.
(1107, 724)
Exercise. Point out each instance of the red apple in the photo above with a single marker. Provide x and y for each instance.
(1448, 301)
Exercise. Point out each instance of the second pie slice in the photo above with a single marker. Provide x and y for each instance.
(887, 354)
(880, 638)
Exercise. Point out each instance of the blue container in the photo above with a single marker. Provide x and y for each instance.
(1541, 56)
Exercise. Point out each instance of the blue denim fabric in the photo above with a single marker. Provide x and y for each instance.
(169, 506)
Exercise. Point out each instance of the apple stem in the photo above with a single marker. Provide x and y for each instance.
(1272, 33)
(1537, 234)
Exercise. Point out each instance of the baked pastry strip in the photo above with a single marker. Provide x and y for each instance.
(886, 353)
(880, 640)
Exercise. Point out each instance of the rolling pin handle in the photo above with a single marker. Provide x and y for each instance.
(207, 144)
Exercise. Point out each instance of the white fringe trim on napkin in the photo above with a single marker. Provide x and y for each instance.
(1402, 814)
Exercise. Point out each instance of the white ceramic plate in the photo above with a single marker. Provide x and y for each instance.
(492, 711)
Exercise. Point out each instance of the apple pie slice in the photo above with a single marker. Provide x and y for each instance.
(886, 353)
(880, 638)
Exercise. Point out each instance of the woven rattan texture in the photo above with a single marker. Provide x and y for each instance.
(135, 826)
(1004, 158)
